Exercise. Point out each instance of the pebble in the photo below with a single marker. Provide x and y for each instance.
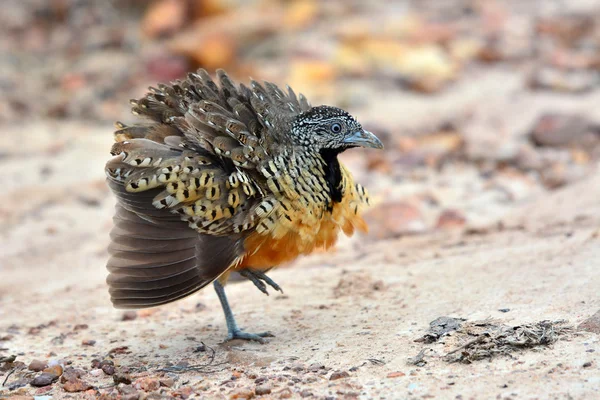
(242, 393)
(44, 379)
(54, 369)
(71, 373)
(285, 394)
(18, 383)
(120, 377)
(88, 342)
(147, 384)
(54, 362)
(262, 390)
(592, 324)
(128, 392)
(183, 392)
(338, 375)
(167, 382)
(76, 385)
(97, 372)
(108, 369)
(561, 129)
(315, 367)
(451, 219)
(396, 374)
(129, 316)
(37, 365)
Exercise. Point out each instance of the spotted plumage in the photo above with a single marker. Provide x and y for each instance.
(223, 177)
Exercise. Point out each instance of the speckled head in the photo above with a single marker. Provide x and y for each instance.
(331, 128)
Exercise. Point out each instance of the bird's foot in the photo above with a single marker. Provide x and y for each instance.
(259, 279)
(240, 334)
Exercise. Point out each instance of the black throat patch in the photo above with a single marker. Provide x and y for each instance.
(333, 173)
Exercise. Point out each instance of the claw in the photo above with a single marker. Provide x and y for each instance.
(257, 337)
(259, 279)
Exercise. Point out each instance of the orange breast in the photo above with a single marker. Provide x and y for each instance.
(265, 251)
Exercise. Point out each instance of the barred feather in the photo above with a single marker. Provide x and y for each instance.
(214, 181)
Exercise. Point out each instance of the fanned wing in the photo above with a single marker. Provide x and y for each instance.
(196, 164)
(155, 257)
(206, 147)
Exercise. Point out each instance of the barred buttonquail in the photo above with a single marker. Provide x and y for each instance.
(224, 178)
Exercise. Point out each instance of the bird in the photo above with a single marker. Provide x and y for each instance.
(218, 178)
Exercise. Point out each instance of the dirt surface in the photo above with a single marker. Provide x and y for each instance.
(353, 315)
(479, 277)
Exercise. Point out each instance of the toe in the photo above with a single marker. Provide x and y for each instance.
(256, 337)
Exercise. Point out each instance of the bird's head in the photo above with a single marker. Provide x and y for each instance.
(331, 129)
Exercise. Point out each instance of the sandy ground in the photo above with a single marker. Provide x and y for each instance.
(354, 314)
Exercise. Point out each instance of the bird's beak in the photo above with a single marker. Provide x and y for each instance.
(363, 138)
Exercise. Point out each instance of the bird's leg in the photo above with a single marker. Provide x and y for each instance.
(259, 279)
(233, 331)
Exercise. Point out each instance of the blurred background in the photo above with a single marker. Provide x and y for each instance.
(482, 105)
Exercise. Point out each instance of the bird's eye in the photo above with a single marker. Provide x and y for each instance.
(336, 128)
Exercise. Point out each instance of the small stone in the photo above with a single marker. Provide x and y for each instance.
(76, 385)
(18, 384)
(108, 369)
(44, 379)
(37, 365)
(166, 382)
(42, 391)
(338, 375)
(71, 373)
(88, 342)
(147, 384)
(315, 367)
(396, 374)
(182, 392)
(97, 372)
(587, 364)
(128, 392)
(262, 390)
(129, 316)
(285, 394)
(451, 219)
(80, 327)
(306, 393)
(54, 369)
(120, 377)
(242, 393)
(119, 350)
(592, 324)
(562, 129)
